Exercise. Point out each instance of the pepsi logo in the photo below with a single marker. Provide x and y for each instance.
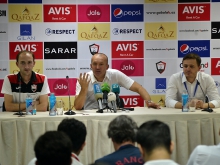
(118, 13)
(184, 49)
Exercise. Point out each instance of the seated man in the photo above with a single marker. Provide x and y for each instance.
(194, 82)
(154, 141)
(53, 148)
(101, 73)
(23, 83)
(76, 131)
(122, 130)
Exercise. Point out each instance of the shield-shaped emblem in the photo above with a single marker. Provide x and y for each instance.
(161, 66)
(94, 48)
(33, 88)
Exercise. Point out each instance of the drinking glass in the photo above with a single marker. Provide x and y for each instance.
(59, 107)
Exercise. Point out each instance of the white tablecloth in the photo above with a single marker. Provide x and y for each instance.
(188, 129)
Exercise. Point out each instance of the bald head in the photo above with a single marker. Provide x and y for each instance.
(102, 55)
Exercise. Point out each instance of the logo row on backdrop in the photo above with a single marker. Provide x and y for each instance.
(109, 13)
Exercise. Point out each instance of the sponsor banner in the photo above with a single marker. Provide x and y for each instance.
(127, 13)
(60, 2)
(1, 95)
(215, 70)
(83, 66)
(215, 48)
(160, 49)
(4, 69)
(200, 47)
(161, 31)
(132, 101)
(93, 13)
(160, 12)
(215, 34)
(86, 49)
(189, 1)
(16, 47)
(205, 65)
(4, 51)
(215, 0)
(25, 1)
(3, 1)
(127, 31)
(3, 32)
(194, 12)
(159, 99)
(25, 13)
(57, 31)
(59, 13)
(127, 49)
(59, 86)
(130, 67)
(60, 50)
(4, 13)
(160, 67)
(161, 1)
(194, 31)
(91, 31)
(58, 68)
(215, 12)
(38, 67)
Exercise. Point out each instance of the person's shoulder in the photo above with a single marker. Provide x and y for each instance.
(203, 74)
(12, 77)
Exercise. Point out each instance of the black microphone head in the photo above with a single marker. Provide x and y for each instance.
(67, 77)
(198, 82)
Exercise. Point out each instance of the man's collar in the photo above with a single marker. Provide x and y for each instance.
(93, 79)
(184, 77)
(33, 77)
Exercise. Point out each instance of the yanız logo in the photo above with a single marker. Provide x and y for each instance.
(60, 50)
(215, 30)
(49, 31)
(201, 47)
(26, 32)
(94, 48)
(161, 66)
(2, 13)
(117, 31)
(194, 12)
(127, 13)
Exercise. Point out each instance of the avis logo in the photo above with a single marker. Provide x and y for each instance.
(29, 47)
(161, 66)
(193, 9)
(59, 10)
(127, 47)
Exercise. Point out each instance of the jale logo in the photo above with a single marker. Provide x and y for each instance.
(127, 67)
(60, 87)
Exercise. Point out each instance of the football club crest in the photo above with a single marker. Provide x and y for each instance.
(33, 88)
(94, 48)
(161, 66)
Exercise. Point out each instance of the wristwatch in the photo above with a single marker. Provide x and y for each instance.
(149, 101)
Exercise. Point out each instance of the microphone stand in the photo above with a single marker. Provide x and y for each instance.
(69, 112)
(21, 114)
(205, 109)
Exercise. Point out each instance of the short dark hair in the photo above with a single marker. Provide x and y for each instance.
(76, 131)
(53, 147)
(24, 51)
(154, 134)
(193, 56)
(122, 129)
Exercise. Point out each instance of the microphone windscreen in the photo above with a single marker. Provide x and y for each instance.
(97, 91)
(111, 97)
(115, 88)
(105, 88)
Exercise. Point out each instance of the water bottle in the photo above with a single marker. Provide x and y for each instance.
(29, 102)
(52, 101)
(185, 98)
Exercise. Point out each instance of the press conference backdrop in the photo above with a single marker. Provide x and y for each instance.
(145, 39)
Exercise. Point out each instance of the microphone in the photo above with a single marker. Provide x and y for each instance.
(19, 100)
(112, 99)
(105, 89)
(98, 95)
(116, 90)
(206, 109)
(69, 112)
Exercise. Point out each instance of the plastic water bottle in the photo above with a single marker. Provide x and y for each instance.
(29, 107)
(185, 98)
(52, 100)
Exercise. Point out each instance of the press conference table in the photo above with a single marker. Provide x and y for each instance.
(188, 129)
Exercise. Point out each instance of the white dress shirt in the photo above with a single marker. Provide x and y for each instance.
(205, 155)
(112, 76)
(176, 86)
(161, 162)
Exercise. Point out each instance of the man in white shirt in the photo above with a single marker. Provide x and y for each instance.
(196, 83)
(154, 141)
(76, 131)
(101, 73)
